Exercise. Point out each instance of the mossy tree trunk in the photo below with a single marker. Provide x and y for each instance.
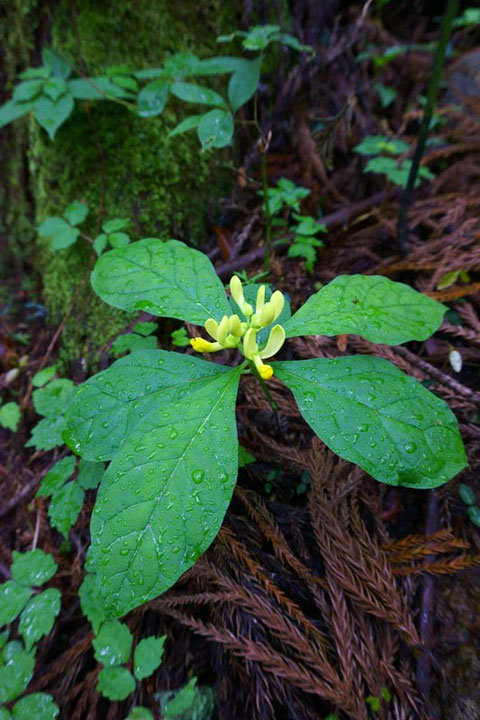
(119, 164)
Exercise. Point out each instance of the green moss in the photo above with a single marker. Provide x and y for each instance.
(121, 165)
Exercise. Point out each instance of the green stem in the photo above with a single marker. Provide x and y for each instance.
(265, 389)
(433, 85)
(268, 217)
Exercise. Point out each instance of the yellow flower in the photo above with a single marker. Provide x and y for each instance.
(202, 346)
(237, 293)
(275, 341)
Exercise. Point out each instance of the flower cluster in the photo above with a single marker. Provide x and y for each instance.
(232, 332)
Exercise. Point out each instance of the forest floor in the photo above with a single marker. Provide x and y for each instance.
(323, 586)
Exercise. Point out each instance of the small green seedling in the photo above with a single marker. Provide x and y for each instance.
(180, 337)
(10, 416)
(50, 400)
(192, 701)
(468, 496)
(396, 170)
(305, 243)
(286, 195)
(166, 420)
(113, 648)
(140, 339)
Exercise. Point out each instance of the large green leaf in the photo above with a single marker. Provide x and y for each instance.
(243, 83)
(372, 306)
(164, 278)
(370, 413)
(96, 88)
(163, 498)
(107, 408)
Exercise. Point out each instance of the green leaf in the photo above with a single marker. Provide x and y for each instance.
(13, 598)
(115, 683)
(152, 98)
(145, 328)
(180, 337)
(244, 457)
(191, 122)
(60, 233)
(100, 243)
(110, 405)
(188, 92)
(10, 416)
(113, 644)
(27, 90)
(218, 65)
(115, 224)
(96, 88)
(33, 567)
(56, 63)
(215, 129)
(375, 144)
(243, 83)
(11, 111)
(47, 433)
(167, 279)
(130, 342)
(188, 702)
(294, 43)
(54, 88)
(57, 476)
(39, 615)
(148, 656)
(65, 507)
(76, 213)
(16, 671)
(39, 706)
(372, 306)
(42, 377)
(119, 239)
(53, 399)
(386, 94)
(5, 714)
(50, 114)
(90, 474)
(137, 713)
(35, 73)
(370, 413)
(91, 601)
(169, 486)
(306, 251)
(466, 493)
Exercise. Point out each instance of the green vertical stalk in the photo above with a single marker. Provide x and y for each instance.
(433, 85)
(268, 217)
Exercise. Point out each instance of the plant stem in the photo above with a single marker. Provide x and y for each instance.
(265, 389)
(433, 85)
(268, 217)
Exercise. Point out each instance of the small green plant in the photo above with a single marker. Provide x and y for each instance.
(469, 18)
(166, 420)
(10, 416)
(305, 243)
(396, 170)
(375, 702)
(113, 648)
(139, 339)
(191, 702)
(51, 400)
(180, 337)
(36, 612)
(286, 195)
(468, 496)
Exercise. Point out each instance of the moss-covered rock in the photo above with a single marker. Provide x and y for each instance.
(121, 165)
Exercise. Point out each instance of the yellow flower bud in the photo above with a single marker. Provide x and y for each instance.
(200, 345)
(250, 346)
(275, 341)
(278, 301)
(211, 326)
(237, 293)
(265, 371)
(223, 331)
(235, 326)
(267, 315)
(260, 299)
